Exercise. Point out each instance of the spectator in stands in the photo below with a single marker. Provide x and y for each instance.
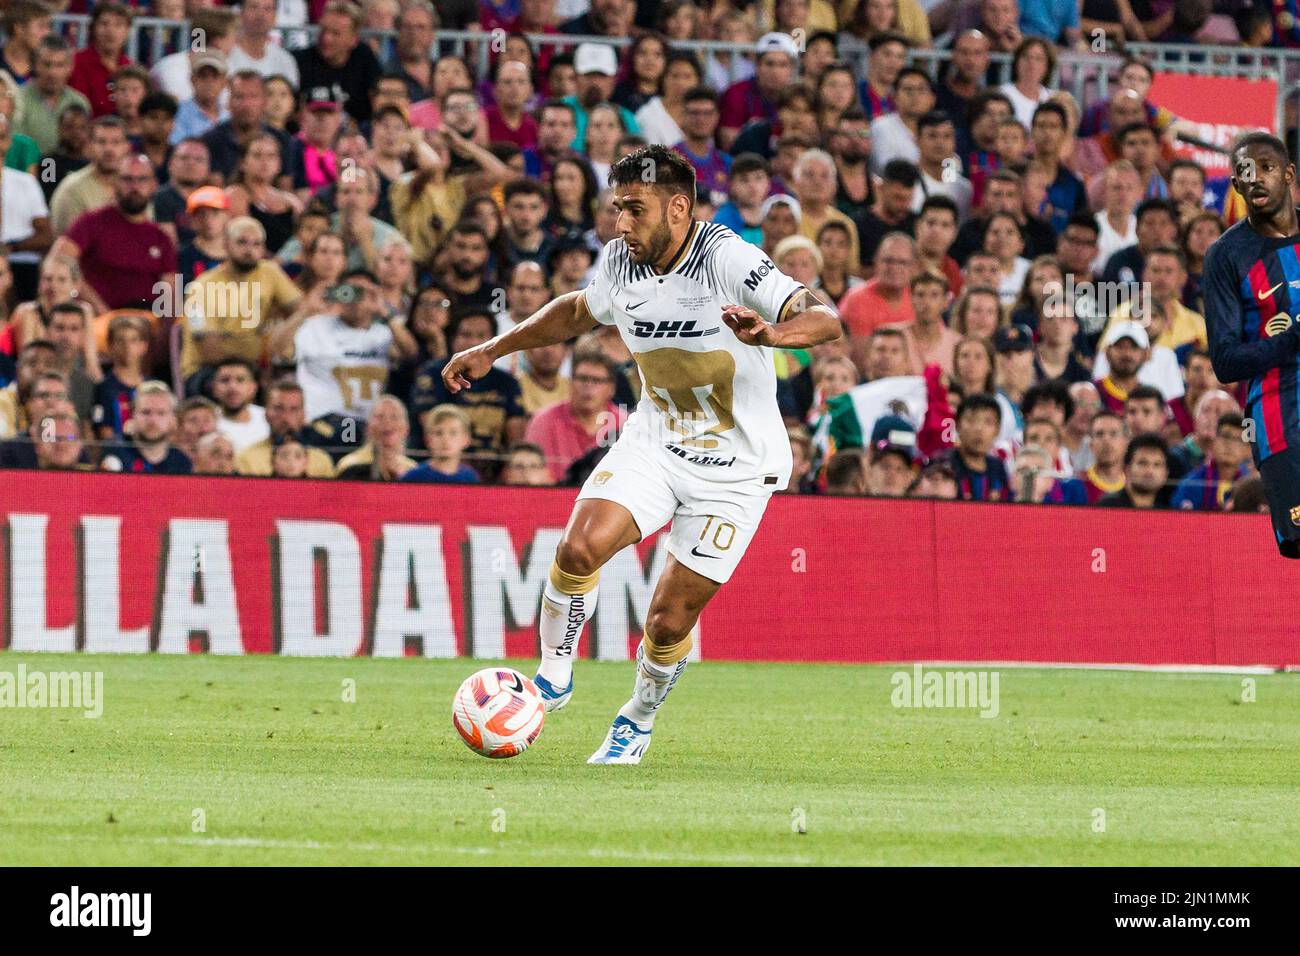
(891, 459)
(255, 49)
(846, 473)
(814, 182)
(849, 142)
(416, 24)
(196, 417)
(339, 60)
(58, 445)
(940, 174)
(569, 429)
(795, 116)
(892, 211)
(525, 211)
(1032, 64)
(597, 67)
(446, 436)
(149, 448)
(209, 212)
(748, 186)
(894, 134)
(93, 67)
(1056, 357)
(128, 348)
(1144, 411)
(662, 118)
(543, 382)
(508, 119)
(174, 74)
(886, 298)
(525, 465)
(343, 355)
(27, 24)
(234, 386)
(1169, 322)
(91, 187)
(383, 456)
(230, 307)
(289, 458)
(214, 455)
(1002, 194)
(37, 359)
(929, 340)
(123, 255)
(965, 75)
(1013, 346)
(936, 480)
(1065, 192)
(756, 98)
(496, 416)
(198, 115)
(1126, 348)
(836, 278)
(1004, 241)
(66, 328)
(1209, 486)
(286, 417)
(699, 145)
(888, 57)
(1191, 452)
(610, 18)
(1075, 435)
(44, 98)
(981, 475)
(1146, 469)
(1156, 225)
(247, 108)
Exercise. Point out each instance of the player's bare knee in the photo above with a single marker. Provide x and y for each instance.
(666, 626)
(577, 557)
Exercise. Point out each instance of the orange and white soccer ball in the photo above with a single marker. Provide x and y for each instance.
(498, 712)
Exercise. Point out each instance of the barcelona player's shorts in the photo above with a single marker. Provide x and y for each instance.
(1281, 475)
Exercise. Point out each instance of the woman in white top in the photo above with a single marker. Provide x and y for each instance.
(1003, 240)
(661, 119)
(1032, 65)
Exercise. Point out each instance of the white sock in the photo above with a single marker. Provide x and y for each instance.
(560, 626)
(653, 682)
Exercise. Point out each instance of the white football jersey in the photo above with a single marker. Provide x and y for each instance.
(342, 370)
(706, 397)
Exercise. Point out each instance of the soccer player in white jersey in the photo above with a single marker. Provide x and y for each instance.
(700, 309)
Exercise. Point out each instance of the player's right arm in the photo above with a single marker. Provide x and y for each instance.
(558, 321)
(1235, 360)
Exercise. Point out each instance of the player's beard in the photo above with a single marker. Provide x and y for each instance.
(654, 248)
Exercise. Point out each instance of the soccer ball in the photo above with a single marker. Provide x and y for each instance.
(498, 712)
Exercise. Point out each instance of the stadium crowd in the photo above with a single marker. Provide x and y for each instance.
(237, 257)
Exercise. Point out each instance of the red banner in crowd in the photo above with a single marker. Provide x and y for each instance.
(241, 565)
(1220, 107)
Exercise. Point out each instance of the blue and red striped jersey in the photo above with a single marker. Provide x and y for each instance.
(1252, 296)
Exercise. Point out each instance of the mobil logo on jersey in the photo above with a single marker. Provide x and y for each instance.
(756, 276)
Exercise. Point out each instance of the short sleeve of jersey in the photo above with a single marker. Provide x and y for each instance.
(753, 280)
(599, 292)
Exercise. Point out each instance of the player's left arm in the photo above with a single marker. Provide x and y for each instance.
(802, 322)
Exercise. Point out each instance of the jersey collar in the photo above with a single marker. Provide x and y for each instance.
(680, 256)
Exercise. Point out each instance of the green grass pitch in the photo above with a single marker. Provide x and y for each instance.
(204, 760)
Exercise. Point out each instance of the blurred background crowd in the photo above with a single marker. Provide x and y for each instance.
(246, 241)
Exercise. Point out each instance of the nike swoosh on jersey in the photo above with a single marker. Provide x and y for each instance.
(699, 554)
(1264, 295)
(631, 308)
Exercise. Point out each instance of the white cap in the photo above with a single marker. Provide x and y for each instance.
(790, 201)
(1128, 329)
(777, 43)
(595, 58)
